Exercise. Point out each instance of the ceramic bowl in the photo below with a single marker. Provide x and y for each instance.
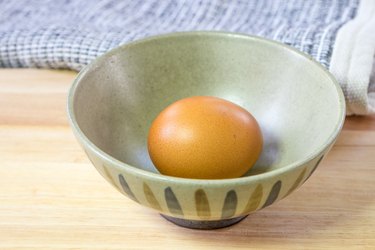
(298, 104)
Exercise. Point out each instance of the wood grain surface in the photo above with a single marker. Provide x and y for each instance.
(52, 198)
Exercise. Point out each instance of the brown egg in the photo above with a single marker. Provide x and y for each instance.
(204, 138)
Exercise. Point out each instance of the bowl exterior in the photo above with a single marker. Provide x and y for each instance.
(198, 201)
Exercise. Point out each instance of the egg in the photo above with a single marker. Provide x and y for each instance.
(204, 137)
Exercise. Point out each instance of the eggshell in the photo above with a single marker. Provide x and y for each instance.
(204, 137)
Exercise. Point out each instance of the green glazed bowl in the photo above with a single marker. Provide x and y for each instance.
(298, 104)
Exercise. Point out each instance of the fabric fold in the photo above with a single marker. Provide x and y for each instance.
(352, 60)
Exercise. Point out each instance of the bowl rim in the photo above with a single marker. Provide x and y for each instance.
(122, 166)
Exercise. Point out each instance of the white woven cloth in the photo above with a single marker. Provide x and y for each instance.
(340, 34)
(353, 63)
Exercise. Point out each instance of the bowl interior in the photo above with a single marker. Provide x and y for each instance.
(294, 100)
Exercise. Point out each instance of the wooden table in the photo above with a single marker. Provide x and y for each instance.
(52, 198)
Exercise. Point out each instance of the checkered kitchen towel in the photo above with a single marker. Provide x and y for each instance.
(70, 33)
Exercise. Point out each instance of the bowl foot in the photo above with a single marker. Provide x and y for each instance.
(205, 224)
